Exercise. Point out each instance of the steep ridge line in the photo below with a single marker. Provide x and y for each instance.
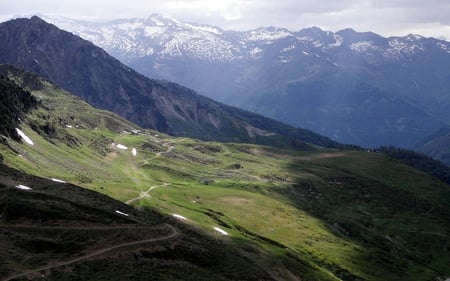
(172, 235)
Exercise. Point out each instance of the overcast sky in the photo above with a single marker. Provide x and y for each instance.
(430, 18)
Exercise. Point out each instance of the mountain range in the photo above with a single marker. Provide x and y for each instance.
(88, 71)
(355, 87)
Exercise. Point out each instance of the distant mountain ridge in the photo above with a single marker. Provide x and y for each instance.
(437, 145)
(89, 72)
(169, 37)
(356, 87)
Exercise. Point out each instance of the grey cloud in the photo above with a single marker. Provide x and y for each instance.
(388, 17)
(418, 11)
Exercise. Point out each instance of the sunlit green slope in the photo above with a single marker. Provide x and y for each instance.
(321, 215)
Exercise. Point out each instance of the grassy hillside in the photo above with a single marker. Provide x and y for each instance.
(59, 231)
(309, 215)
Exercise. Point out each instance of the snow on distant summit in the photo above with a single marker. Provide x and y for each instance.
(267, 34)
(156, 34)
(164, 37)
(337, 83)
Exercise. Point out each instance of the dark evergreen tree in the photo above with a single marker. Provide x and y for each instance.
(419, 161)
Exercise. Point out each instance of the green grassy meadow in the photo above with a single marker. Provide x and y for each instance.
(325, 214)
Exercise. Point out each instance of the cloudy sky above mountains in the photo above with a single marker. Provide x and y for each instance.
(386, 17)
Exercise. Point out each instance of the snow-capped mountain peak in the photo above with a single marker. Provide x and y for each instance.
(161, 20)
(156, 34)
(268, 35)
(161, 36)
(322, 80)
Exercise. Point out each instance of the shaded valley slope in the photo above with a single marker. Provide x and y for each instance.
(204, 210)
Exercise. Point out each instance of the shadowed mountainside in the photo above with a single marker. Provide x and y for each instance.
(355, 87)
(89, 72)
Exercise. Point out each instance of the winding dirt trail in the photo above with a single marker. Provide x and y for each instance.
(169, 145)
(92, 227)
(144, 194)
(136, 171)
(174, 233)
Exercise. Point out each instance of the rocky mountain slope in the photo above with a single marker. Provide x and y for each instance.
(89, 72)
(229, 211)
(356, 87)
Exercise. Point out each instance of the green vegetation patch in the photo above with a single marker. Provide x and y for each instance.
(325, 214)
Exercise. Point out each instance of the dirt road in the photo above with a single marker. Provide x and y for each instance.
(174, 233)
(144, 194)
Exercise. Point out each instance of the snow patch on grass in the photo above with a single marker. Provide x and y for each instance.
(24, 137)
(223, 232)
(23, 187)
(179, 217)
(57, 180)
(121, 213)
(121, 146)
